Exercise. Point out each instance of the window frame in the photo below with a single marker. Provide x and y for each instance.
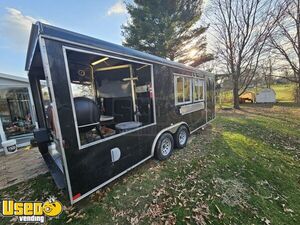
(78, 49)
(203, 87)
(184, 77)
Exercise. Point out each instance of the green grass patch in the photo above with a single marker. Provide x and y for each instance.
(284, 92)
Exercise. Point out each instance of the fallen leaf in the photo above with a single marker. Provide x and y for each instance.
(266, 221)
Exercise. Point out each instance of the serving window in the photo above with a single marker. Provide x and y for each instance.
(189, 93)
(110, 96)
(183, 90)
(198, 90)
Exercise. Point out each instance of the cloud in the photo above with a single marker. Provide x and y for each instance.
(16, 28)
(118, 8)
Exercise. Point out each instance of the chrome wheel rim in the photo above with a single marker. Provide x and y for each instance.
(182, 137)
(166, 146)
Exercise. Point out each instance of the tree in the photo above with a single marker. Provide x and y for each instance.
(167, 28)
(286, 40)
(266, 70)
(241, 29)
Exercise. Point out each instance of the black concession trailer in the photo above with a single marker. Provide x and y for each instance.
(103, 109)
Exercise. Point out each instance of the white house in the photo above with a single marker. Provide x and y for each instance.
(266, 95)
(17, 115)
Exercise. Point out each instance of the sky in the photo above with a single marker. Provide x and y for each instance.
(97, 18)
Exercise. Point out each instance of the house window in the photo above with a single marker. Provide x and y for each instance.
(183, 90)
(15, 111)
(198, 90)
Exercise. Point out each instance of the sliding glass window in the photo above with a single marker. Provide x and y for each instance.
(183, 90)
(198, 90)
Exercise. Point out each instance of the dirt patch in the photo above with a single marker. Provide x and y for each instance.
(233, 192)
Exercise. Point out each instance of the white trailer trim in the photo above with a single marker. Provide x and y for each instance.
(47, 72)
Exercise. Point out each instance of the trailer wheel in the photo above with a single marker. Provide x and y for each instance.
(181, 137)
(164, 146)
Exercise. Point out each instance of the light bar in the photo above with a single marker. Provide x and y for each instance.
(112, 68)
(130, 78)
(99, 61)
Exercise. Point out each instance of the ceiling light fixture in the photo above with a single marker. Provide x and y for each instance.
(99, 61)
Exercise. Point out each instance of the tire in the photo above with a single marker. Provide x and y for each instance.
(164, 146)
(181, 137)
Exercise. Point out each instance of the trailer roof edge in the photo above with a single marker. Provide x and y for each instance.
(53, 32)
(31, 45)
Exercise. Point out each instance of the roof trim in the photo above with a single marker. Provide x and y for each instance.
(192, 69)
(62, 35)
(33, 39)
(14, 77)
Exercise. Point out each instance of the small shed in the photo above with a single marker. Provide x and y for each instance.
(266, 95)
(247, 96)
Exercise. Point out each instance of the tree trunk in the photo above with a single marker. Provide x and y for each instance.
(236, 101)
(297, 91)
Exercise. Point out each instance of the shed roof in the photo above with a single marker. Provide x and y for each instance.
(67, 36)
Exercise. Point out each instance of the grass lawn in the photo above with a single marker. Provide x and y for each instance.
(242, 169)
(284, 92)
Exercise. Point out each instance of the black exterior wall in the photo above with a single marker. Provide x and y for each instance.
(210, 84)
(89, 168)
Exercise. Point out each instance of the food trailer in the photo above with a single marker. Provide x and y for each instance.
(107, 108)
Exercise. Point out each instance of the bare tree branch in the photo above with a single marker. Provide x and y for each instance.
(242, 28)
(286, 39)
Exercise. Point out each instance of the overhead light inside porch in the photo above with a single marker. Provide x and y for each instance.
(99, 61)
